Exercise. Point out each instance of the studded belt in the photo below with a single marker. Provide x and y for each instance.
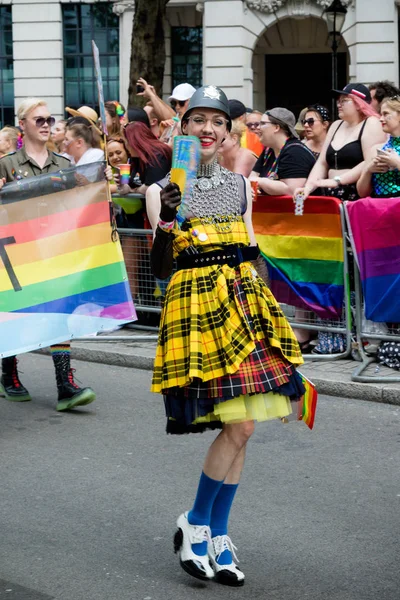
(229, 255)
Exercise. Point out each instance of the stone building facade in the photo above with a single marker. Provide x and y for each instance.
(263, 52)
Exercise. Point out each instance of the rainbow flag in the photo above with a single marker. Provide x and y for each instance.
(304, 254)
(374, 225)
(309, 402)
(61, 273)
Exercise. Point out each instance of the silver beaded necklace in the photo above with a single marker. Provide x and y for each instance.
(215, 198)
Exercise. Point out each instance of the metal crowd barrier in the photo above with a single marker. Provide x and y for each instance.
(148, 292)
(392, 335)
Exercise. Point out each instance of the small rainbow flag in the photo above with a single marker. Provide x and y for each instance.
(61, 273)
(308, 406)
(374, 225)
(304, 254)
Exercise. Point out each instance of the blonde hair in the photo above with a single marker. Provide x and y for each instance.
(238, 128)
(393, 103)
(28, 105)
(12, 134)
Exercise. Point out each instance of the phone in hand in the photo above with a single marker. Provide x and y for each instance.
(139, 89)
(380, 152)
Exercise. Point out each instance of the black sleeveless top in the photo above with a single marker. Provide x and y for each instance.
(347, 157)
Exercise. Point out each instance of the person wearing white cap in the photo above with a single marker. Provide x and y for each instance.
(180, 97)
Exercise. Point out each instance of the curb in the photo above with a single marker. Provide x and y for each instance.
(109, 357)
(372, 392)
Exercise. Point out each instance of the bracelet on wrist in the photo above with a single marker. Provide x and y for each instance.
(166, 225)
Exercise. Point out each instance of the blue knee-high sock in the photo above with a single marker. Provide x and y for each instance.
(220, 515)
(201, 512)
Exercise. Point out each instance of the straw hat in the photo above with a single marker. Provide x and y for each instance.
(88, 113)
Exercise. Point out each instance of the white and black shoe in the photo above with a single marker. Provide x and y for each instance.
(187, 534)
(225, 574)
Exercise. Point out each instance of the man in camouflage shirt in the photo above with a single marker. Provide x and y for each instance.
(32, 160)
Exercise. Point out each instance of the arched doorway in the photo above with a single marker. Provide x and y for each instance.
(292, 65)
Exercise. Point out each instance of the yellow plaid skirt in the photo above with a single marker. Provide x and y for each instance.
(205, 332)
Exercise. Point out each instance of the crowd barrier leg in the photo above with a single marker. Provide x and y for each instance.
(148, 291)
(366, 360)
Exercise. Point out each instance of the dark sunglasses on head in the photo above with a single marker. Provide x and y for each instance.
(40, 121)
(181, 103)
(309, 121)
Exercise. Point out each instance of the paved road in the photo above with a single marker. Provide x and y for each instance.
(89, 499)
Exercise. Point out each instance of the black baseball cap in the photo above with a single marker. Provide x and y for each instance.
(355, 89)
(236, 108)
(137, 114)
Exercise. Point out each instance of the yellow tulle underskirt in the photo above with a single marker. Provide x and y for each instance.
(256, 407)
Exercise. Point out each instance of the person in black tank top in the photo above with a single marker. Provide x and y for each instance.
(340, 163)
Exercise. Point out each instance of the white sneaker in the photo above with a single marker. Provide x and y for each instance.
(187, 534)
(225, 574)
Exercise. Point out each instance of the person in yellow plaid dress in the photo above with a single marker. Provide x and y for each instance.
(226, 355)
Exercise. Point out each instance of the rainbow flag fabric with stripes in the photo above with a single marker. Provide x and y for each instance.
(374, 225)
(304, 254)
(309, 402)
(61, 274)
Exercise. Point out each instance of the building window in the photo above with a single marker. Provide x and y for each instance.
(83, 23)
(6, 68)
(187, 55)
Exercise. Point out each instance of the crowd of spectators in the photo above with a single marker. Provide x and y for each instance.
(355, 155)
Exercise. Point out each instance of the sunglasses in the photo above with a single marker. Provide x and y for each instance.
(309, 121)
(174, 103)
(40, 121)
(253, 125)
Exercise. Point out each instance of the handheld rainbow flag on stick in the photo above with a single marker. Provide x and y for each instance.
(185, 161)
(99, 79)
(308, 406)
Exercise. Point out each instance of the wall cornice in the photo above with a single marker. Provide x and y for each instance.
(295, 6)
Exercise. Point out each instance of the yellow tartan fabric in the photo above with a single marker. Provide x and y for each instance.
(203, 330)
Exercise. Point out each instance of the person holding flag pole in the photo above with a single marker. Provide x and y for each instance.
(32, 160)
(226, 355)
